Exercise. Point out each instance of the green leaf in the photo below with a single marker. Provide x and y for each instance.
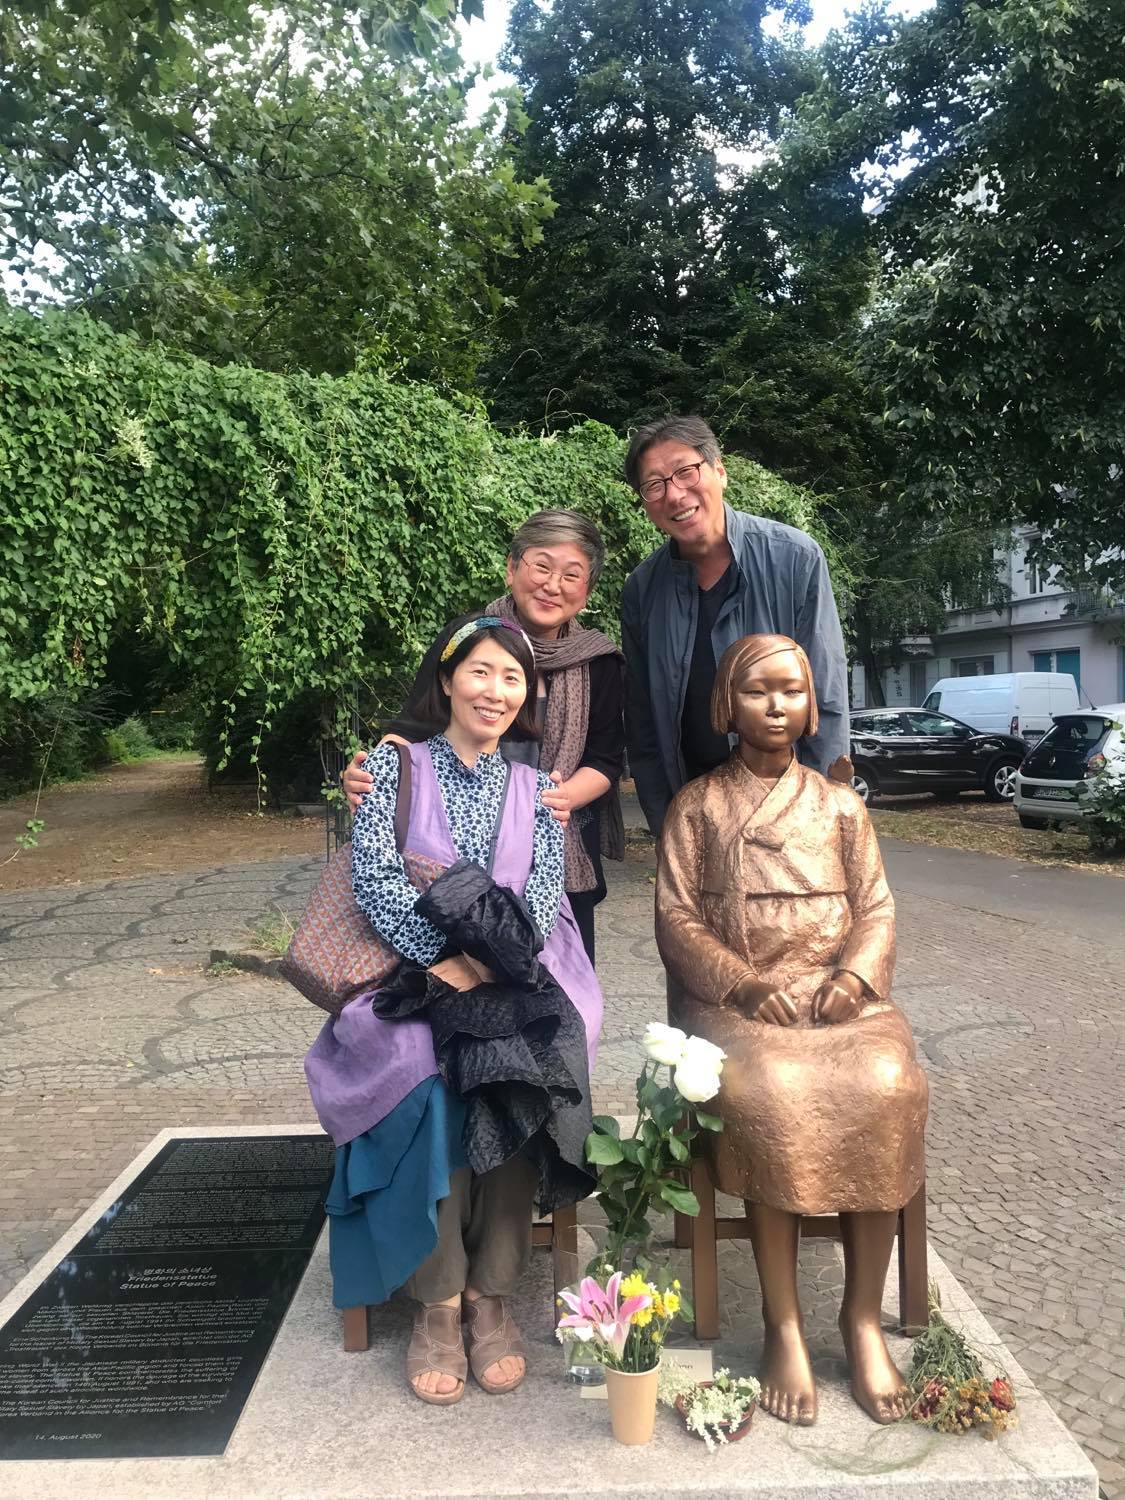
(708, 1122)
(608, 1125)
(602, 1149)
(682, 1199)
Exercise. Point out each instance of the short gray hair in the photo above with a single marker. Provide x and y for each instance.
(693, 432)
(550, 528)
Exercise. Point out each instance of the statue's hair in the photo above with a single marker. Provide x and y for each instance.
(736, 660)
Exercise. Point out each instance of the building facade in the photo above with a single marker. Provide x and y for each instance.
(1044, 627)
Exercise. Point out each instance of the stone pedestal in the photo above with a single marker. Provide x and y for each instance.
(324, 1425)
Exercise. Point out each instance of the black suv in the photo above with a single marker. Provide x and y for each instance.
(911, 750)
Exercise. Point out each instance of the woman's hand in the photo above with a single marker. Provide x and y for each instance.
(838, 999)
(355, 780)
(558, 799)
(579, 790)
(762, 1002)
(462, 972)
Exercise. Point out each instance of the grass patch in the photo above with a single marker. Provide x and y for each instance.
(1065, 847)
(274, 933)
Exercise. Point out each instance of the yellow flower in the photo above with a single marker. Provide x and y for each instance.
(676, 1285)
(634, 1285)
(671, 1304)
(642, 1317)
(658, 1305)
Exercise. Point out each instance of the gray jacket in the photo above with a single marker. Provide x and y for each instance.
(784, 588)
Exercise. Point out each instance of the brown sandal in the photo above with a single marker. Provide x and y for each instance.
(436, 1344)
(493, 1334)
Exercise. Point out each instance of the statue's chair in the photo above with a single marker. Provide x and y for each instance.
(702, 1235)
(557, 1233)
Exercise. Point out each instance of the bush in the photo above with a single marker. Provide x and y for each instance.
(1103, 801)
(174, 723)
(129, 741)
(54, 739)
(275, 535)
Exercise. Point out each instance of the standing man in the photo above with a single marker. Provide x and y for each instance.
(721, 575)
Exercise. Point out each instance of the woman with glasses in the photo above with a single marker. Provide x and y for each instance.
(555, 561)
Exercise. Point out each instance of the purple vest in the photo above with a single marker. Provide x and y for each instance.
(360, 1067)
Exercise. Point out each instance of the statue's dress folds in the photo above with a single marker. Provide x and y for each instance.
(785, 883)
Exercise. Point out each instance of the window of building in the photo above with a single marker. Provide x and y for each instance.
(974, 666)
(1058, 661)
(1035, 580)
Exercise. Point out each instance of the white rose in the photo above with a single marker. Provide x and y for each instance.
(696, 1082)
(664, 1044)
(697, 1076)
(698, 1049)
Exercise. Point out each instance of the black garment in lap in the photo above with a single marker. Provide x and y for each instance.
(514, 1050)
(701, 747)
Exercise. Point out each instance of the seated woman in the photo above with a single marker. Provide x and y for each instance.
(556, 559)
(774, 920)
(405, 1207)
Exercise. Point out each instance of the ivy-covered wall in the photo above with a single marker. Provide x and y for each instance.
(279, 535)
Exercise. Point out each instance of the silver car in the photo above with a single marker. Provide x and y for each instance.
(1076, 746)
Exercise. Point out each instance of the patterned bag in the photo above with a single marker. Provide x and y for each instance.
(335, 951)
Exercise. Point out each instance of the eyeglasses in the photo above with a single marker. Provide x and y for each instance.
(685, 479)
(542, 573)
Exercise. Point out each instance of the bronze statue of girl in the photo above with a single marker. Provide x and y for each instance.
(776, 926)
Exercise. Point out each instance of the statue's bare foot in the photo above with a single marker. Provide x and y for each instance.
(877, 1383)
(788, 1389)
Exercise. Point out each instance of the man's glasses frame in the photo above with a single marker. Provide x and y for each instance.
(686, 478)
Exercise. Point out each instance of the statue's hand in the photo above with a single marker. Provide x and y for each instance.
(762, 1002)
(838, 1000)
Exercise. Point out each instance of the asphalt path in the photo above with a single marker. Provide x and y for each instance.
(1049, 899)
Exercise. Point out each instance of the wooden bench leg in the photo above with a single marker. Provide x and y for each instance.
(704, 1254)
(355, 1330)
(913, 1270)
(564, 1246)
(683, 1228)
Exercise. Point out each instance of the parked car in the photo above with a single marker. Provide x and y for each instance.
(913, 750)
(1021, 703)
(1077, 746)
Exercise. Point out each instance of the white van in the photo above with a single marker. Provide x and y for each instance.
(1023, 703)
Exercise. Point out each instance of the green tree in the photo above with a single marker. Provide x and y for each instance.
(288, 188)
(644, 115)
(991, 137)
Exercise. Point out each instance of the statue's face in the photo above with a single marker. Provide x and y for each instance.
(771, 702)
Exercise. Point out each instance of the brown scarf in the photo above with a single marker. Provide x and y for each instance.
(565, 661)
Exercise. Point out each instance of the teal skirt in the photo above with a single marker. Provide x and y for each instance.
(388, 1182)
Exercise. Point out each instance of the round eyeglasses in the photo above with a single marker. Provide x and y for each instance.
(685, 478)
(542, 573)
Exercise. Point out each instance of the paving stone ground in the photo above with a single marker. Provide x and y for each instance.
(111, 1029)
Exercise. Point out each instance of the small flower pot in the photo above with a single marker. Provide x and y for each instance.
(733, 1432)
(632, 1404)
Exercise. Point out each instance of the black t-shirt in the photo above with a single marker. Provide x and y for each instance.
(702, 748)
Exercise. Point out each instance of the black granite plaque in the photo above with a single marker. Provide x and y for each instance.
(146, 1340)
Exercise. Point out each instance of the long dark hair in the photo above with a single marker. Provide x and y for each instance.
(427, 708)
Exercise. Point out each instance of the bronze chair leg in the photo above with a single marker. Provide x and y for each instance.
(704, 1254)
(913, 1272)
(355, 1330)
(564, 1246)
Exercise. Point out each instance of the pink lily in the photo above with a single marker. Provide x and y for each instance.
(601, 1314)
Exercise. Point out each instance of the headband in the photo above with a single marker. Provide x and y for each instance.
(470, 627)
